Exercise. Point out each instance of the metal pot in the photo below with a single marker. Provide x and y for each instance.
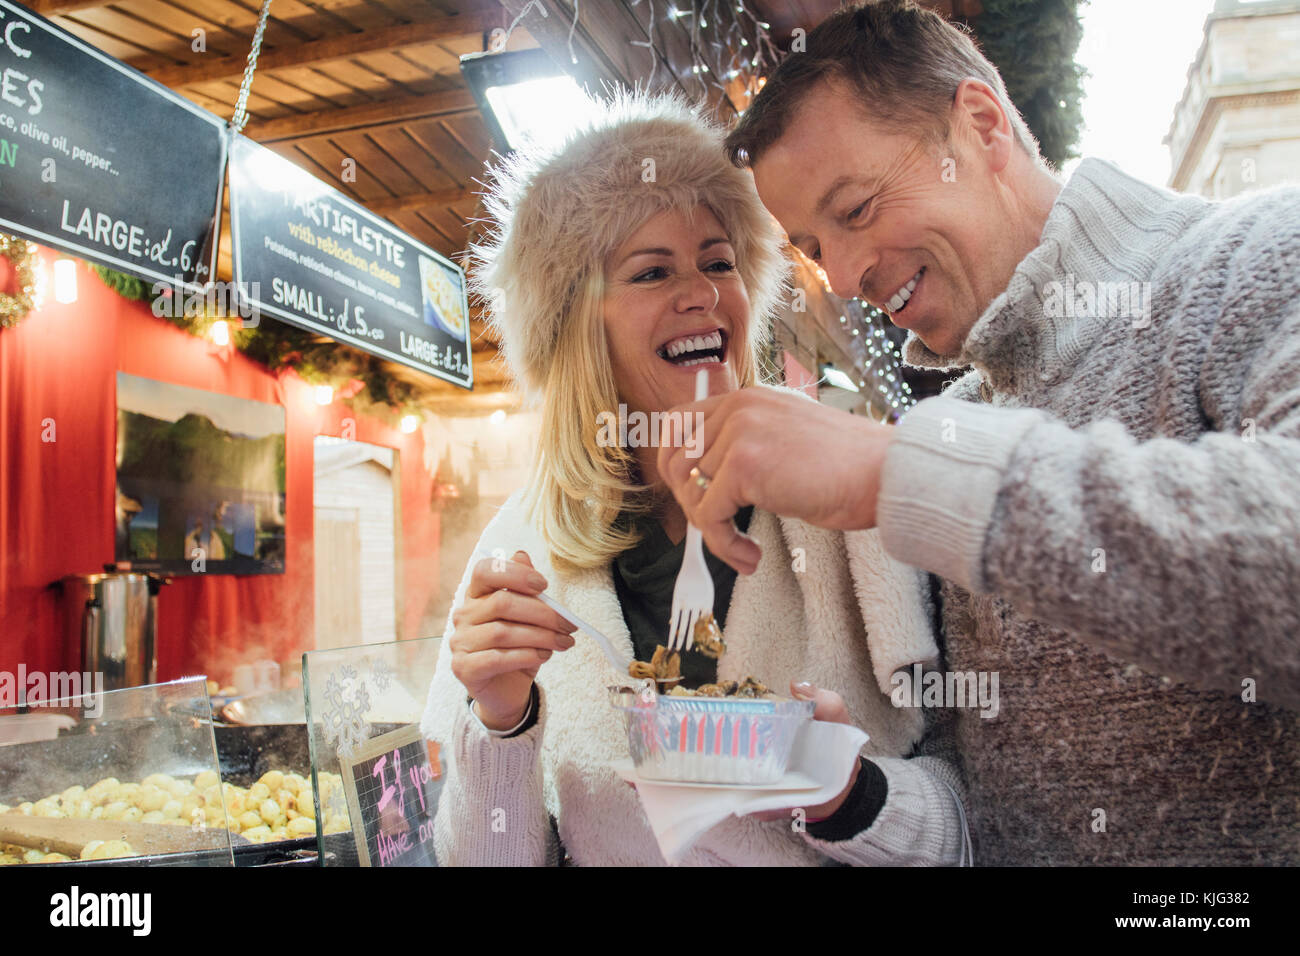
(111, 625)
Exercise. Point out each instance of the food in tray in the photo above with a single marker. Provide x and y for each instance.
(279, 806)
(708, 639)
(664, 666)
(748, 688)
(727, 732)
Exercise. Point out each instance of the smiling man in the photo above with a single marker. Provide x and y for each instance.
(1111, 494)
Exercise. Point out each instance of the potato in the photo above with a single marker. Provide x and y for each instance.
(257, 834)
(301, 827)
(208, 778)
(171, 810)
(250, 819)
(153, 816)
(47, 808)
(270, 811)
(273, 780)
(257, 793)
(151, 798)
(107, 850)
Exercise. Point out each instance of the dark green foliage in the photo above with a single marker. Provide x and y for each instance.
(128, 287)
(1033, 43)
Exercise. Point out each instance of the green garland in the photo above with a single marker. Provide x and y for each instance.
(278, 345)
(128, 287)
(1033, 43)
(20, 253)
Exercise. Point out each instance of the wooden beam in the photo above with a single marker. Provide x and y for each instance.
(330, 48)
(438, 197)
(371, 116)
(54, 8)
(552, 34)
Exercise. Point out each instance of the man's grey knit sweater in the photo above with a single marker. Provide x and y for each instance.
(1113, 502)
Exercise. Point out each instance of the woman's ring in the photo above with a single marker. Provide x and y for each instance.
(701, 478)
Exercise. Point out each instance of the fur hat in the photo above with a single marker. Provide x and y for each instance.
(558, 213)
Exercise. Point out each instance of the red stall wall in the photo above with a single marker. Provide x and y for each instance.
(57, 432)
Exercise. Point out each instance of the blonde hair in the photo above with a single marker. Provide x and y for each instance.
(578, 487)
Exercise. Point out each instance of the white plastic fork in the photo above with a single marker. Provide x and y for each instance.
(693, 592)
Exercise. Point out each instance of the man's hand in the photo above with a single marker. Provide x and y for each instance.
(785, 454)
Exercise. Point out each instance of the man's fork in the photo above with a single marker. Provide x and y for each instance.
(693, 592)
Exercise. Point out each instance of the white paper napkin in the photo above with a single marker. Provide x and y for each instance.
(681, 815)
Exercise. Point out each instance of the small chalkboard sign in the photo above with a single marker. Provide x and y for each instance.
(387, 783)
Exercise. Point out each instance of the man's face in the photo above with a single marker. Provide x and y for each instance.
(915, 228)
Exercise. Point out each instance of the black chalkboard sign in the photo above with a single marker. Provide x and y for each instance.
(100, 161)
(387, 782)
(307, 254)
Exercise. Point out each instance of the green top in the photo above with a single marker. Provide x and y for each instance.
(644, 577)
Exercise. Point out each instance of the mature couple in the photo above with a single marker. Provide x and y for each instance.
(1112, 506)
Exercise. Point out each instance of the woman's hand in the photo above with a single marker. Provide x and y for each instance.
(829, 707)
(502, 636)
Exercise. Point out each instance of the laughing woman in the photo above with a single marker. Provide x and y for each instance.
(621, 264)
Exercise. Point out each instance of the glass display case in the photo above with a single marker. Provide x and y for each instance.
(376, 781)
(127, 776)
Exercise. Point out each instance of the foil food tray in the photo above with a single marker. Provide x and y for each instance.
(724, 740)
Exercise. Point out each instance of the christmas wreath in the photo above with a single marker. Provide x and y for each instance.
(15, 305)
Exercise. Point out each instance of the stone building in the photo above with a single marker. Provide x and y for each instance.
(1237, 126)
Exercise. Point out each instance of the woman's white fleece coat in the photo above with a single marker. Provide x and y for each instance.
(824, 606)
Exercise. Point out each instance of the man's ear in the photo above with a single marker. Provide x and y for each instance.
(977, 113)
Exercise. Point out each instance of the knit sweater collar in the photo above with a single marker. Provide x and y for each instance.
(1100, 228)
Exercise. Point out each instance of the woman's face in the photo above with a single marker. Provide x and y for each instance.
(674, 303)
